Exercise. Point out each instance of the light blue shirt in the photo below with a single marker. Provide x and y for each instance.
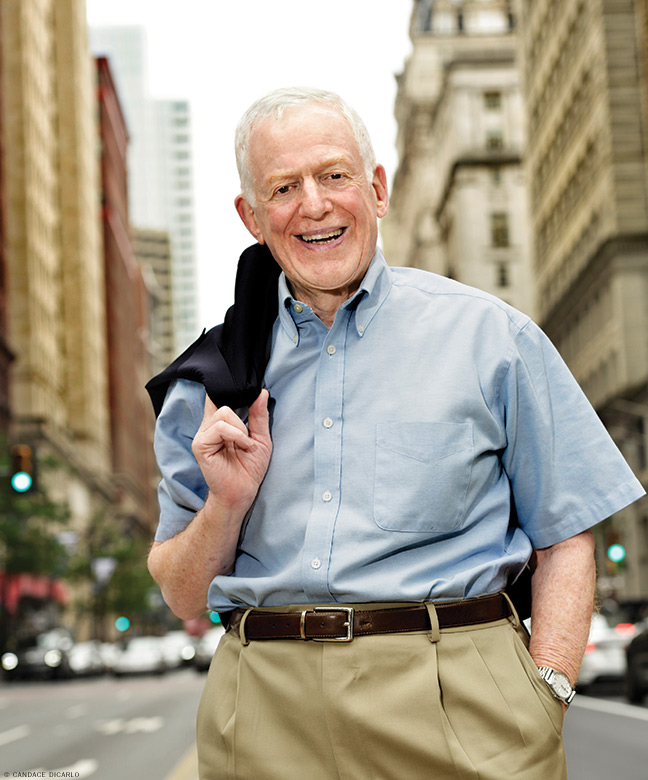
(399, 437)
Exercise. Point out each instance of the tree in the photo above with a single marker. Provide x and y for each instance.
(29, 526)
(126, 588)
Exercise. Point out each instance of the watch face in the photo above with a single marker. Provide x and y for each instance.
(561, 685)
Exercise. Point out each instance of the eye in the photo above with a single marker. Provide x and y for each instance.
(283, 190)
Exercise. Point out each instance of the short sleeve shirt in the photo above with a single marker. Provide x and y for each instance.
(422, 447)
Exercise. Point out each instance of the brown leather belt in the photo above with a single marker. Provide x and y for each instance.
(339, 623)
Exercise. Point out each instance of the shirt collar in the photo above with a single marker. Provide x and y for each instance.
(369, 297)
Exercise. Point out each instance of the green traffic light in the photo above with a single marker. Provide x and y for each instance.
(21, 481)
(616, 553)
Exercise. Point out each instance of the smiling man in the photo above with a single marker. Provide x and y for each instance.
(316, 203)
(425, 444)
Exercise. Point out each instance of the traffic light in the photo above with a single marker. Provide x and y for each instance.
(23, 474)
(616, 552)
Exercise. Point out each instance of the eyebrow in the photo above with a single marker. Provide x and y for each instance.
(283, 175)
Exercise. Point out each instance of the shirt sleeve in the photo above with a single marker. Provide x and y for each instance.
(566, 472)
(182, 490)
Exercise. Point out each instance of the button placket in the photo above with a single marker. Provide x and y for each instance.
(327, 461)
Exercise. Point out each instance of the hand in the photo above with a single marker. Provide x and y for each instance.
(233, 458)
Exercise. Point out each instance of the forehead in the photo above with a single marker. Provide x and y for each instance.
(302, 132)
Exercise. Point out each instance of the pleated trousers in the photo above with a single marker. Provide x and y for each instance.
(455, 704)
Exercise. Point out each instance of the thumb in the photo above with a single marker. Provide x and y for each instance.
(259, 418)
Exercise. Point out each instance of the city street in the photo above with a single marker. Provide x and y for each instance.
(606, 739)
(134, 727)
(142, 728)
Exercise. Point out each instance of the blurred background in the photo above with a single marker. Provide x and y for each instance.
(515, 137)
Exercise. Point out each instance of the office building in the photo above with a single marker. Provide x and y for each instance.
(459, 199)
(585, 83)
(160, 162)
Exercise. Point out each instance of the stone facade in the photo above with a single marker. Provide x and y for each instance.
(153, 253)
(52, 245)
(5, 353)
(127, 324)
(459, 198)
(585, 83)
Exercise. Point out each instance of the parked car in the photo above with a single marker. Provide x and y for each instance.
(206, 648)
(179, 648)
(110, 652)
(142, 655)
(605, 658)
(85, 659)
(44, 656)
(636, 676)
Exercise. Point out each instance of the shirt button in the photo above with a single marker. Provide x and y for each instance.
(327, 495)
(331, 349)
(327, 423)
(316, 563)
(361, 329)
(298, 308)
(295, 339)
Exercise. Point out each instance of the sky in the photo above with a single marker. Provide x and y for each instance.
(221, 55)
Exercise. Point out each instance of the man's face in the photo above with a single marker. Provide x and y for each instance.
(315, 208)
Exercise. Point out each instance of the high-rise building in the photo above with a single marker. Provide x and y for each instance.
(52, 245)
(52, 253)
(153, 253)
(160, 166)
(459, 202)
(127, 325)
(585, 85)
(5, 353)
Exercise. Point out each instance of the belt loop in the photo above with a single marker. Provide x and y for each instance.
(435, 634)
(514, 617)
(241, 629)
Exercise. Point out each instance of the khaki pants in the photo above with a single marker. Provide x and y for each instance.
(466, 704)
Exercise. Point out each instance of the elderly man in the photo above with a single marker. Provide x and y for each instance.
(424, 443)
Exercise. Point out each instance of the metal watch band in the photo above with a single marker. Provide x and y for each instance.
(548, 675)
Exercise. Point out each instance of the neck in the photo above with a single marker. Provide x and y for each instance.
(324, 304)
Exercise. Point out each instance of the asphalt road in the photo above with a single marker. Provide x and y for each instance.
(606, 739)
(139, 728)
(142, 728)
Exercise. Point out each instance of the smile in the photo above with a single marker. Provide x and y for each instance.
(322, 238)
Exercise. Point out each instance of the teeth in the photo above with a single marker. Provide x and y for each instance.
(322, 236)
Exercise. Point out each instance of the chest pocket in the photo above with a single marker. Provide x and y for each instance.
(422, 476)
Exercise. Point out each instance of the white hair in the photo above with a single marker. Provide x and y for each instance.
(273, 105)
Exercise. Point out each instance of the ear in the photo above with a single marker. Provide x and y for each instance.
(380, 188)
(246, 213)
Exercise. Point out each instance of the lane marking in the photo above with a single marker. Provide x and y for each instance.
(132, 726)
(20, 732)
(611, 708)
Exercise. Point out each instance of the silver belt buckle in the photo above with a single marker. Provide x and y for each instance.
(348, 637)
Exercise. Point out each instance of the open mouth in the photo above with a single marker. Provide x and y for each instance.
(322, 238)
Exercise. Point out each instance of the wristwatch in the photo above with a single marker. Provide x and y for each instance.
(558, 683)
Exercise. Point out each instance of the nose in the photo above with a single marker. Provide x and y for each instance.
(315, 202)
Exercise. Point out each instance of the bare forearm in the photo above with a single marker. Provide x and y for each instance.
(185, 565)
(563, 586)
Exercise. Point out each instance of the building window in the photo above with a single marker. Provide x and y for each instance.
(492, 100)
(494, 140)
(496, 176)
(499, 230)
(503, 277)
